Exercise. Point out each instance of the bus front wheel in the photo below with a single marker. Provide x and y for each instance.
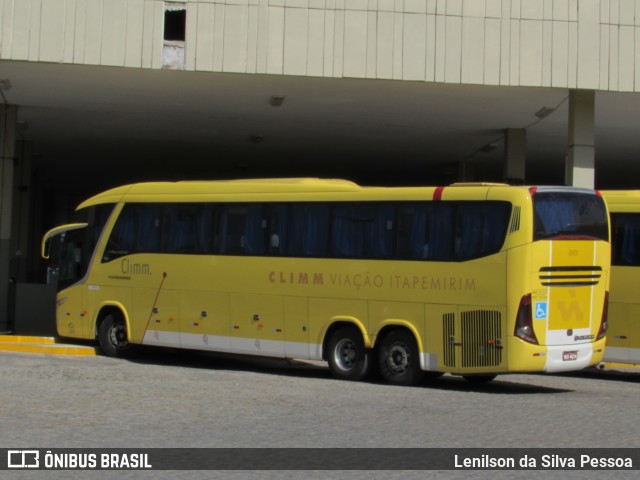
(398, 358)
(112, 336)
(348, 358)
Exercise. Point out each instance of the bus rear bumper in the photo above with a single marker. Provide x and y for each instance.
(567, 358)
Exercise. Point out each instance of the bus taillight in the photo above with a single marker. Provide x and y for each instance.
(524, 321)
(604, 323)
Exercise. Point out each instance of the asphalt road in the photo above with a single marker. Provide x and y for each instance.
(192, 400)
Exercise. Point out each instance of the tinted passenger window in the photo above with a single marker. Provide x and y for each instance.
(481, 228)
(243, 229)
(308, 230)
(137, 229)
(362, 231)
(436, 231)
(625, 229)
(445, 231)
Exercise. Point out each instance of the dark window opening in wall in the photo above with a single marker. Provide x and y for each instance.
(175, 24)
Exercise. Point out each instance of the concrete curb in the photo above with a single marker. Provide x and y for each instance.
(43, 346)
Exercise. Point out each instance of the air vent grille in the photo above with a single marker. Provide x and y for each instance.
(481, 338)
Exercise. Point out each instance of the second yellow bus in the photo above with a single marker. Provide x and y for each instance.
(623, 338)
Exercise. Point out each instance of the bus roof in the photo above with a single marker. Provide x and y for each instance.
(143, 191)
(271, 189)
(621, 196)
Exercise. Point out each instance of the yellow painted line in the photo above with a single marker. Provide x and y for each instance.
(43, 346)
(26, 339)
(48, 349)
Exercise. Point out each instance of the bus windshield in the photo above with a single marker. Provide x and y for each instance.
(69, 248)
(569, 215)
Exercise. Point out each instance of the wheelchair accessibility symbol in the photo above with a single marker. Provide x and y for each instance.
(541, 310)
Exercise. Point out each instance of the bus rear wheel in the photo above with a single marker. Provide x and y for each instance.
(348, 358)
(112, 336)
(398, 358)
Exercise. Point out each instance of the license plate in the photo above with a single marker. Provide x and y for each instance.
(569, 356)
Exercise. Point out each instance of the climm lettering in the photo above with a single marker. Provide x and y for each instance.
(131, 268)
(297, 278)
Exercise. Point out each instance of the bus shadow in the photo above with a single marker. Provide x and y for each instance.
(229, 362)
(500, 386)
(319, 370)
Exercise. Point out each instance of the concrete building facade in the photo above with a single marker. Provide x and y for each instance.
(445, 76)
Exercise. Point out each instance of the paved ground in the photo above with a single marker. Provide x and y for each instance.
(173, 399)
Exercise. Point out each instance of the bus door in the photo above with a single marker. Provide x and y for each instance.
(64, 248)
(296, 327)
(623, 336)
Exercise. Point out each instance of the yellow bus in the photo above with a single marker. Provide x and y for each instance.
(470, 279)
(623, 338)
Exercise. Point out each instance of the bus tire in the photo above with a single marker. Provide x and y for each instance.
(347, 356)
(112, 336)
(398, 358)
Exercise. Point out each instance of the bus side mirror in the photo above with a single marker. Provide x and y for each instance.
(46, 248)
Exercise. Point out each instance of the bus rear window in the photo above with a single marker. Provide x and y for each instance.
(569, 215)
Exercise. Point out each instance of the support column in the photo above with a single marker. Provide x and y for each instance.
(8, 117)
(22, 217)
(580, 164)
(515, 146)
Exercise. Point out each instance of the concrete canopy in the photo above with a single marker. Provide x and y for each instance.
(96, 127)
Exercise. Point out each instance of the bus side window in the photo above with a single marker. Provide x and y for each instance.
(308, 230)
(469, 225)
(379, 232)
(362, 231)
(346, 233)
(121, 239)
(626, 239)
(410, 241)
(179, 229)
(149, 228)
(278, 238)
(137, 230)
(481, 228)
(232, 221)
(439, 235)
(255, 230)
(205, 230)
